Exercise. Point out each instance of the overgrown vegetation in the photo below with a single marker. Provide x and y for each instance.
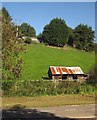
(11, 47)
(41, 88)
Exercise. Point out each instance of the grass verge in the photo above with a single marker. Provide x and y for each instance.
(48, 101)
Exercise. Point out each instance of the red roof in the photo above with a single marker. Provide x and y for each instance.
(65, 70)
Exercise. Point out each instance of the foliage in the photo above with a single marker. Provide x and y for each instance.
(0, 31)
(71, 36)
(56, 33)
(87, 88)
(27, 30)
(38, 88)
(93, 75)
(11, 47)
(40, 37)
(83, 38)
(96, 49)
(28, 40)
(93, 69)
(6, 15)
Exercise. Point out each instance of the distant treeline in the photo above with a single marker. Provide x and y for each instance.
(57, 33)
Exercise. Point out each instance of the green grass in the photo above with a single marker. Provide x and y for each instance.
(39, 57)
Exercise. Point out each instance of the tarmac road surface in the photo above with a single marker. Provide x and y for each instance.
(73, 111)
(68, 112)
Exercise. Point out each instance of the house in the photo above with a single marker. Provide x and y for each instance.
(63, 73)
(34, 39)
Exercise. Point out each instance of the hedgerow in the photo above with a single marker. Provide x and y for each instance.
(38, 88)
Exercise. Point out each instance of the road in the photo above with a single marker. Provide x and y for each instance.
(68, 112)
(72, 111)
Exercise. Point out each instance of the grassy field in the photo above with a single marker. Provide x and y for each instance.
(48, 101)
(39, 57)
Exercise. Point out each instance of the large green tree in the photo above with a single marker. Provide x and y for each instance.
(71, 36)
(56, 32)
(27, 30)
(84, 37)
(11, 47)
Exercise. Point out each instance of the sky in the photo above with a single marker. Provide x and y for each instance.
(39, 14)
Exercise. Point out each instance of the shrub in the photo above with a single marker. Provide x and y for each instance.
(28, 40)
(37, 88)
(8, 87)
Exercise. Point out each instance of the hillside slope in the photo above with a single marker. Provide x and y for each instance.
(39, 57)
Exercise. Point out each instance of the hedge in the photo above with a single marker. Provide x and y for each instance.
(37, 88)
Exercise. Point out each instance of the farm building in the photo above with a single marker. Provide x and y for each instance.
(62, 73)
(34, 39)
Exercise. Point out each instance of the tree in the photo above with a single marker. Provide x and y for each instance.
(56, 33)
(11, 48)
(84, 38)
(6, 15)
(92, 74)
(40, 37)
(71, 36)
(27, 30)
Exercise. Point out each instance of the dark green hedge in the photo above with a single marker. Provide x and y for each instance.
(37, 88)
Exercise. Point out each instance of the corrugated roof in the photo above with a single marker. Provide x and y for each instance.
(56, 70)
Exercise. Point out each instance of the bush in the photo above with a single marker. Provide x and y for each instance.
(28, 40)
(86, 88)
(68, 87)
(8, 87)
(38, 88)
